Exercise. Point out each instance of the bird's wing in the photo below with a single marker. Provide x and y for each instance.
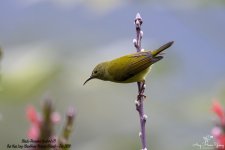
(131, 65)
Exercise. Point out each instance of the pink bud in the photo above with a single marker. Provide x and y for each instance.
(55, 117)
(142, 33)
(138, 16)
(33, 132)
(32, 115)
(134, 41)
(216, 132)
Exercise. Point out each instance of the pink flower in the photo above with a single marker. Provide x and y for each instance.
(33, 132)
(219, 137)
(32, 115)
(217, 108)
(35, 121)
(216, 132)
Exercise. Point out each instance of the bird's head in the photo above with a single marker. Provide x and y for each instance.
(98, 72)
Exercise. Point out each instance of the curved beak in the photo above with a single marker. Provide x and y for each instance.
(91, 77)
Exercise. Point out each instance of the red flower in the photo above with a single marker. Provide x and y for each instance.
(217, 108)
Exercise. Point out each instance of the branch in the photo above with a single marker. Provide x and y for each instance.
(141, 85)
(46, 129)
(67, 130)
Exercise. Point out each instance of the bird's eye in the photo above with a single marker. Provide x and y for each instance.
(95, 72)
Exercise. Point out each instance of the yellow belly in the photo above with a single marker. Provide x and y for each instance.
(138, 77)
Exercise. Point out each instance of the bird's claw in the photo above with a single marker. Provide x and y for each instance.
(141, 96)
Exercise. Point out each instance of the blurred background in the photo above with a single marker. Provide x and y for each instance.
(51, 46)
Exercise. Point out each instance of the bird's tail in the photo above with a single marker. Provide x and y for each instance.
(162, 48)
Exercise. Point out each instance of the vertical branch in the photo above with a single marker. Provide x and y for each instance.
(141, 85)
(46, 129)
(67, 130)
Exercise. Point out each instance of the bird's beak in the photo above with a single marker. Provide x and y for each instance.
(91, 77)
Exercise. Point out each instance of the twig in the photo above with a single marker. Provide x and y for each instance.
(67, 130)
(141, 85)
(46, 128)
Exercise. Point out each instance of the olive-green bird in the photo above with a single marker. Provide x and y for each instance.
(129, 68)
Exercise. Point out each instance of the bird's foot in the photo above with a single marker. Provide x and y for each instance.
(141, 96)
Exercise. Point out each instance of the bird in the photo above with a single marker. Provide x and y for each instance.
(129, 68)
